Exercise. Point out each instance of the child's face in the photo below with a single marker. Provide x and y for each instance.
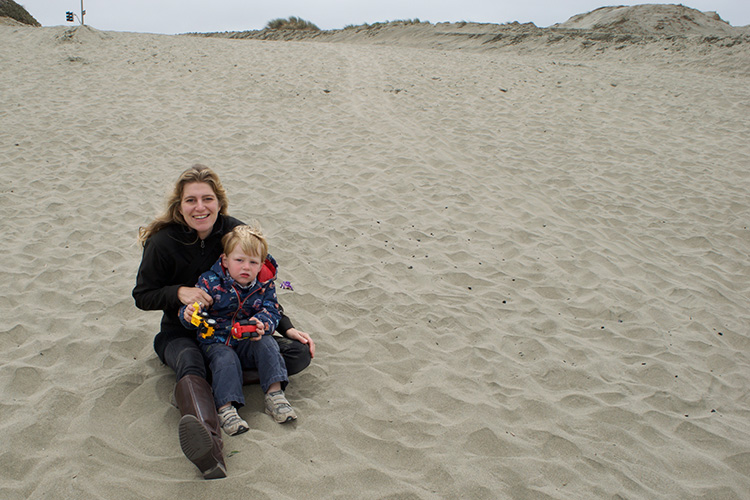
(242, 267)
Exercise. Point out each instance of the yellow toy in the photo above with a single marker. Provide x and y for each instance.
(202, 321)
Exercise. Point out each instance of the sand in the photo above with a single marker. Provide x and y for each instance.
(525, 265)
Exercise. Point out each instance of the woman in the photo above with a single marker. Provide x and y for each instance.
(177, 247)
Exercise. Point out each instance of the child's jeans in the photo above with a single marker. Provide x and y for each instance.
(226, 364)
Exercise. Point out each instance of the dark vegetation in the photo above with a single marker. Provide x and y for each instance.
(402, 22)
(9, 8)
(293, 23)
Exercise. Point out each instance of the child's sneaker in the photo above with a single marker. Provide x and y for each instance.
(279, 408)
(231, 422)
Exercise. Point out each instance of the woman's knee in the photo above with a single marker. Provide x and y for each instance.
(185, 358)
(296, 355)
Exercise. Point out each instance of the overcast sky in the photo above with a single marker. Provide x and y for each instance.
(181, 16)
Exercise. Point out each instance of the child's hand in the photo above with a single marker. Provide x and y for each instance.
(260, 329)
(188, 314)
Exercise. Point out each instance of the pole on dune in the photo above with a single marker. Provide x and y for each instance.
(70, 15)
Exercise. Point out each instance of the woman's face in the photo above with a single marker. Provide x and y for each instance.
(199, 207)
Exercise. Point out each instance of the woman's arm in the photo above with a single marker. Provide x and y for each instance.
(151, 292)
(285, 324)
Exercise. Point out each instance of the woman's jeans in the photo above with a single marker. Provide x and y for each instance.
(226, 364)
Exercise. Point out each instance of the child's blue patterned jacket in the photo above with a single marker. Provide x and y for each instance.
(233, 302)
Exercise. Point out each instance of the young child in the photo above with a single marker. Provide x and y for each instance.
(241, 284)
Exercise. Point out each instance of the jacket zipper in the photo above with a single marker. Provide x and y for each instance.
(240, 303)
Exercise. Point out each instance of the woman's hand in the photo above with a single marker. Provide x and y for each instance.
(189, 295)
(303, 337)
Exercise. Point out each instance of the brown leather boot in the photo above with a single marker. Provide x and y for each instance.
(200, 431)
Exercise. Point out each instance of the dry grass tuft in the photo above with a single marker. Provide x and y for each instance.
(293, 23)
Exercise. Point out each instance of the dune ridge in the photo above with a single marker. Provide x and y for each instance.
(635, 32)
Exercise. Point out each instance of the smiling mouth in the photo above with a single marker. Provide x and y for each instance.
(201, 217)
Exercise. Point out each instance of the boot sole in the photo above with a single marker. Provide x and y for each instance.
(216, 472)
(197, 445)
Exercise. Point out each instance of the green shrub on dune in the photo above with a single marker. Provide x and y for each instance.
(293, 23)
(9, 8)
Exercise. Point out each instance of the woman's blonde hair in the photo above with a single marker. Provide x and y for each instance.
(250, 239)
(172, 215)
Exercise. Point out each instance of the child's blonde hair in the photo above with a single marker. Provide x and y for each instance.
(249, 238)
